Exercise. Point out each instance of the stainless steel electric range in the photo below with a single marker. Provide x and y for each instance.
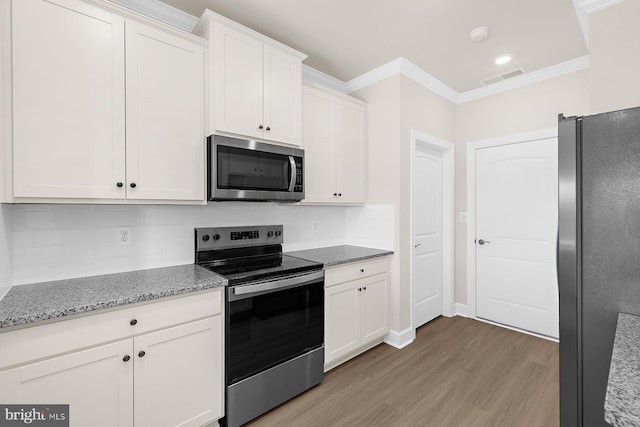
(274, 318)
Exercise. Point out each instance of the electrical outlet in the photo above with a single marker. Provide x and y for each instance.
(124, 236)
(314, 225)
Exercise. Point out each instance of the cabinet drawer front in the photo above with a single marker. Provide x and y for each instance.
(355, 270)
(36, 342)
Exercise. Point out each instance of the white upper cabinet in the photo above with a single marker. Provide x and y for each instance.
(103, 108)
(255, 82)
(165, 115)
(318, 134)
(238, 85)
(68, 100)
(282, 96)
(334, 139)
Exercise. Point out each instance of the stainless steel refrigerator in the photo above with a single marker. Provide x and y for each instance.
(598, 252)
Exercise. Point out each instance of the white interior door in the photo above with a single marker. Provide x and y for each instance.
(516, 226)
(427, 235)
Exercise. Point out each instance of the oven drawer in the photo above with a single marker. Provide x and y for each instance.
(355, 271)
(70, 334)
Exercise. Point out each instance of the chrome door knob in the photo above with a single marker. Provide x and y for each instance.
(482, 241)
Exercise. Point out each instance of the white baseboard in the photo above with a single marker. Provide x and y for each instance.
(461, 310)
(399, 339)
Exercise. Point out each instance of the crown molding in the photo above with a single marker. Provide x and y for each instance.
(312, 75)
(551, 72)
(406, 68)
(584, 8)
(162, 12)
(175, 17)
(592, 6)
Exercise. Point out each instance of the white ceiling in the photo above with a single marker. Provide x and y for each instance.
(347, 38)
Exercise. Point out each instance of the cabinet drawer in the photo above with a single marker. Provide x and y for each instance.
(355, 270)
(39, 341)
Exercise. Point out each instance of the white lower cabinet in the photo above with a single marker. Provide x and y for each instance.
(178, 379)
(171, 376)
(96, 383)
(356, 308)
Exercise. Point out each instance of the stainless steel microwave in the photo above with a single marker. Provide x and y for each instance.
(242, 169)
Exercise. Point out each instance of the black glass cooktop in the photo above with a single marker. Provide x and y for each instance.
(247, 269)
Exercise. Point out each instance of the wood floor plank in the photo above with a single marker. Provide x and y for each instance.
(458, 372)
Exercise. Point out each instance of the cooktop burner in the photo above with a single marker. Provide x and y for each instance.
(244, 254)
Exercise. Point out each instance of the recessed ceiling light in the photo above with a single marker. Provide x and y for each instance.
(503, 60)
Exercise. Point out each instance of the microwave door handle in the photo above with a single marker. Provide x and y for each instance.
(292, 182)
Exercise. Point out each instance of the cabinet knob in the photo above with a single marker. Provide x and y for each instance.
(359, 289)
(362, 270)
(133, 322)
(126, 358)
(119, 184)
(268, 128)
(260, 127)
(339, 194)
(335, 194)
(364, 289)
(141, 353)
(132, 185)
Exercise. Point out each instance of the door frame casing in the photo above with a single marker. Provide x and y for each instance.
(472, 148)
(448, 185)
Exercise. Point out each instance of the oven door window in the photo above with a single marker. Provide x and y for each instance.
(242, 169)
(268, 329)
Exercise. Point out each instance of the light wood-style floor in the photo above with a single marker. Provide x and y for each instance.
(458, 372)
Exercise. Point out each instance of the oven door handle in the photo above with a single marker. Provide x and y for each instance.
(248, 291)
(292, 182)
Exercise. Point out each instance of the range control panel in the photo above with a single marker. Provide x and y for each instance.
(234, 237)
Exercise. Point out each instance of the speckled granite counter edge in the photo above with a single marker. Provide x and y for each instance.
(622, 402)
(205, 280)
(331, 256)
(54, 314)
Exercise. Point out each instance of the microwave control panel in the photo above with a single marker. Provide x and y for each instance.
(298, 185)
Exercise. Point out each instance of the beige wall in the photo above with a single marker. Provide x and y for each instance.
(397, 105)
(527, 109)
(383, 167)
(614, 46)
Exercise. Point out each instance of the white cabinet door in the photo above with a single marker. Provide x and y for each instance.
(333, 136)
(68, 100)
(350, 138)
(374, 307)
(318, 127)
(178, 377)
(238, 80)
(342, 320)
(96, 383)
(282, 96)
(165, 116)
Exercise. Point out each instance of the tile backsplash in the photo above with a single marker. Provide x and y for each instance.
(5, 248)
(51, 242)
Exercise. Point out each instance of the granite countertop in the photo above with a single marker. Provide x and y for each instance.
(49, 300)
(622, 403)
(336, 255)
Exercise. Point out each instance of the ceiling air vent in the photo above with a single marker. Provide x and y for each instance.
(508, 75)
